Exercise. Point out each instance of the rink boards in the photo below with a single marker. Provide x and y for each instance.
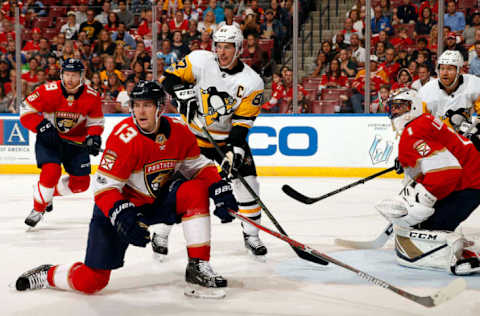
(282, 145)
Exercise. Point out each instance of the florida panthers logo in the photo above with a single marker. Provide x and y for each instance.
(216, 104)
(65, 121)
(157, 174)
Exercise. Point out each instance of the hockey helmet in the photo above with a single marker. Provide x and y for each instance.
(403, 105)
(73, 65)
(229, 34)
(148, 90)
(451, 57)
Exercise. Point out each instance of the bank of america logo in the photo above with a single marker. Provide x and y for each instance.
(380, 150)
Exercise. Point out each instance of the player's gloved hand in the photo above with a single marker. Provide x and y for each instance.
(459, 121)
(93, 143)
(47, 134)
(233, 160)
(129, 223)
(398, 166)
(187, 102)
(221, 193)
(475, 137)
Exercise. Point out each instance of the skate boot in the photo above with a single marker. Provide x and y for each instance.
(49, 207)
(202, 281)
(160, 241)
(33, 218)
(254, 245)
(34, 279)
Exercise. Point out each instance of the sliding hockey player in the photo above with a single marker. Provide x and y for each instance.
(225, 95)
(62, 113)
(137, 185)
(454, 97)
(446, 190)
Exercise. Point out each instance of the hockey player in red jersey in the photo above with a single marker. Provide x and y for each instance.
(62, 113)
(444, 191)
(151, 172)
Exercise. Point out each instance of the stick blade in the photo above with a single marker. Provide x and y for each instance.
(372, 244)
(309, 257)
(291, 192)
(454, 288)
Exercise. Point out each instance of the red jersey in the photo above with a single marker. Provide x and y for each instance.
(137, 167)
(439, 158)
(74, 116)
(31, 46)
(182, 27)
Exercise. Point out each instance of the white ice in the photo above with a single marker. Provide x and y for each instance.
(284, 285)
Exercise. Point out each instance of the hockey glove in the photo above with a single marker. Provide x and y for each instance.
(398, 166)
(187, 103)
(233, 160)
(129, 223)
(93, 143)
(460, 122)
(221, 193)
(47, 134)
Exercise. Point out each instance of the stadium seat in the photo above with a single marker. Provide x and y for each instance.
(50, 33)
(109, 106)
(43, 22)
(266, 45)
(329, 106)
(334, 93)
(410, 28)
(310, 85)
(26, 34)
(57, 11)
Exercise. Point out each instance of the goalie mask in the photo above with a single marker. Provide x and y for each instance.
(453, 58)
(403, 105)
(73, 65)
(148, 90)
(228, 34)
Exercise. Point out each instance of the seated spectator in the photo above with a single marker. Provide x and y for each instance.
(259, 13)
(423, 77)
(205, 41)
(102, 17)
(378, 77)
(91, 26)
(178, 46)
(382, 36)
(380, 51)
(121, 36)
(112, 22)
(279, 13)
(471, 50)
(357, 23)
(453, 18)
(138, 5)
(229, 17)
(165, 33)
(432, 39)
(105, 45)
(272, 105)
(53, 73)
(379, 105)
(192, 34)
(31, 75)
(4, 72)
(412, 68)
(254, 52)
(358, 52)
(179, 23)
(402, 39)
(334, 77)
(125, 16)
(43, 52)
(347, 65)
(432, 4)
(35, 6)
(474, 63)
(71, 28)
(141, 54)
(208, 23)
(273, 29)
(451, 43)
(34, 43)
(407, 12)
(249, 24)
(189, 13)
(217, 11)
(42, 79)
(120, 58)
(124, 97)
(380, 22)
(424, 25)
(287, 98)
(160, 69)
(194, 45)
(144, 29)
(110, 71)
(470, 29)
(138, 72)
(68, 51)
(96, 63)
(167, 54)
(113, 88)
(170, 6)
(321, 65)
(6, 98)
(404, 79)
(81, 11)
(328, 51)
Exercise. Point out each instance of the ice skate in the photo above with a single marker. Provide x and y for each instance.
(33, 279)
(159, 247)
(255, 247)
(49, 207)
(202, 281)
(33, 218)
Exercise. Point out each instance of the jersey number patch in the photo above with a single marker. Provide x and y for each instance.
(126, 135)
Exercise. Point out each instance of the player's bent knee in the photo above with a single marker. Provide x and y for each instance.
(79, 184)
(192, 198)
(88, 280)
(50, 174)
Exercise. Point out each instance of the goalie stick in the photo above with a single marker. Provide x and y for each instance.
(291, 192)
(378, 242)
(302, 254)
(444, 294)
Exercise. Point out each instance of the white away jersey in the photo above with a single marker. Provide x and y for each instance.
(226, 99)
(438, 101)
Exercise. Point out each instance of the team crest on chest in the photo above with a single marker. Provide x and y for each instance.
(70, 100)
(422, 148)
(216, 104)
(157, 174)
(65, 121)
(161, 140)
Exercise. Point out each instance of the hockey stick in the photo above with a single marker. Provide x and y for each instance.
(302, 254)
(444, 294)
(81, 145)
(378, 242)
(291, 192)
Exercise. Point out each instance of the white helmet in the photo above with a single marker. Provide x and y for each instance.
(405, 99)
(229, 34)
(451, 57)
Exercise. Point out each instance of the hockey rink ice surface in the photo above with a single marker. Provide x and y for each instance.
(283, 285)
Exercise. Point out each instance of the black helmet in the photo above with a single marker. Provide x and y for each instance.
(72, 64)
(148, 90)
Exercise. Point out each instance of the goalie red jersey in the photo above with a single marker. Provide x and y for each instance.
(136, 167)
(439, 158)
(74, 116)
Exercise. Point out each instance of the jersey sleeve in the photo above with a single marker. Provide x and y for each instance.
(117, 164)
(32, 107)
(184, 69)
(424, 153)
(95, 119)
(249, 108)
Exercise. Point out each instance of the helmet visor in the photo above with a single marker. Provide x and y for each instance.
(397, 107)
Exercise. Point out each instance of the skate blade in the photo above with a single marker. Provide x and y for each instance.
(159, 257)
(261, 259)
(197, 291)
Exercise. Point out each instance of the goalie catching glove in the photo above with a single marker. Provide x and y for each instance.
(412, 207)
(128, 221)
(187, 102)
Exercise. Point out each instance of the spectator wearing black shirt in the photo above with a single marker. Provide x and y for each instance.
(178, 46)
(425, 22)
(407, 12)
(192, 33)
(91, 26)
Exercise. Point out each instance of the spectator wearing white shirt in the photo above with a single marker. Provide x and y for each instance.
(124, 96)
(358, 52)
(71, 28)
(423, 77)
(103, 17)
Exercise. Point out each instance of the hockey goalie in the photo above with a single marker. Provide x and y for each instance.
(444, 191)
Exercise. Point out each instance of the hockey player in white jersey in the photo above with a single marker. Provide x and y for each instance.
(225, 95)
